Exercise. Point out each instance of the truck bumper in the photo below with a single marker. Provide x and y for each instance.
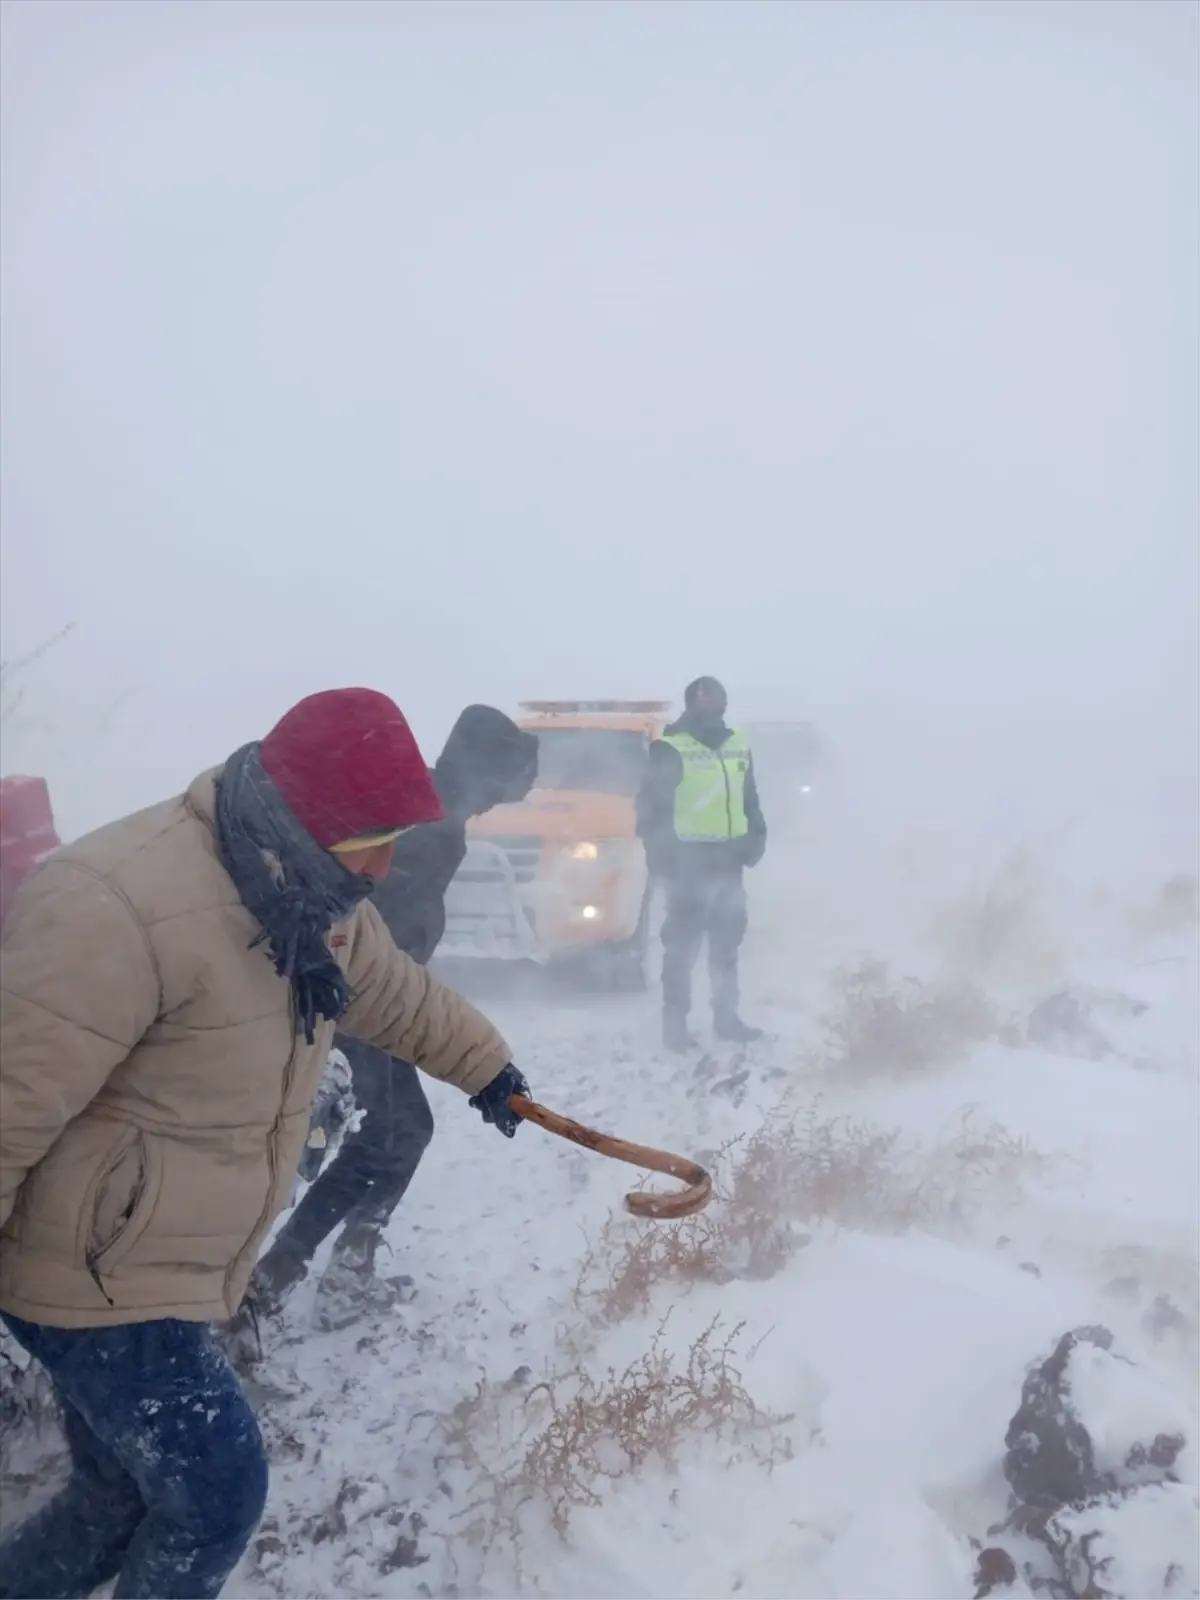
(490, 913)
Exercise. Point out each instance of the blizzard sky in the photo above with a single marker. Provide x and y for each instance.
(482, 351)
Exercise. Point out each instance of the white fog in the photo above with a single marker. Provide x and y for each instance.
(483, 353)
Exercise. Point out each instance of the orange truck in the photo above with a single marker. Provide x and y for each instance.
(561, 876)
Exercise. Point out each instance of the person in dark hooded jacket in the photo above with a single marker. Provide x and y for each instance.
(487, 761)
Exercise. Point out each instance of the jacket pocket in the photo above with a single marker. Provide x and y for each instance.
(121, 1200)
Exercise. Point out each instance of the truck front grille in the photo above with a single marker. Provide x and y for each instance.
(523, 852)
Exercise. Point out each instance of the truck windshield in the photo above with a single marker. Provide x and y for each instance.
(602, 760)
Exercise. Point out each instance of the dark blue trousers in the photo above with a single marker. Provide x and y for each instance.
(366, 1180)
(168, 1472)
(708, 904)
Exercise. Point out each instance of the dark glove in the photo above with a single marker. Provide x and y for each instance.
(492, 1102)
(754, 849)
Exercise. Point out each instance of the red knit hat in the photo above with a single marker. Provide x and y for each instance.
(346, 763)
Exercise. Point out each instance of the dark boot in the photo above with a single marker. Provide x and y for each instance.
(676, 1037)
(271, 1283)
(350, 1286)
(274, 1278)
(734, 1031)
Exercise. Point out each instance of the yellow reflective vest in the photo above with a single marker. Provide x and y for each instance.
(710, 802)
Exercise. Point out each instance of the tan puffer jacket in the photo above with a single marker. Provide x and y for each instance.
(155, 1087)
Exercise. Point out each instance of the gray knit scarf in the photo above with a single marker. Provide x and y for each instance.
(298, 898)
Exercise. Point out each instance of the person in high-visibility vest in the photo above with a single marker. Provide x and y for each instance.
(701, 824)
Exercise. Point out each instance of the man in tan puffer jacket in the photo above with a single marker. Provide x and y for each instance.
(171, 985)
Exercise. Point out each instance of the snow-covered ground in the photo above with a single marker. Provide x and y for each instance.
(972, 1128)
(988, 1067)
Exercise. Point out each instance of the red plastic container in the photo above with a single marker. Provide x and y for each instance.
(27, 833)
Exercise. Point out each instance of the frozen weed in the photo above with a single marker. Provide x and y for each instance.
(559, 1444)
(610, 1428)
(882, 1026)
(830, 1169)
(799, 1171)
(625, 1265)
(815, 1169)
(990, 1154)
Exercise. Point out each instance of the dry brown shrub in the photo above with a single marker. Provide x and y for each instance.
(742, 1235)
(609, 1429)
(802, 1170)
(623, 1267)
(882, 1026)
(816, 1169)
(559, 1444)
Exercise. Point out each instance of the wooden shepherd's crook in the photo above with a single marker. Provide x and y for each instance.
(683, 1204)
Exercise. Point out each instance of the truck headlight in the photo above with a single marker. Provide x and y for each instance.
(586, 850)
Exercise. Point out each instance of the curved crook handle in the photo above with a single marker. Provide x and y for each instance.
(685, 1203)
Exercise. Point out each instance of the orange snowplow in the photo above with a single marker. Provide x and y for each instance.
(561, 876)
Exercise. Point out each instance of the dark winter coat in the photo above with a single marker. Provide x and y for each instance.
(487, 761)
(666, 854)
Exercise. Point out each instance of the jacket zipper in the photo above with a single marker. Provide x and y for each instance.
(93, 1253)
(728, 799)
(91, 1259)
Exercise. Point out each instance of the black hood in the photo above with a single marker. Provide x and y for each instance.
(710, 731)
(488, 761)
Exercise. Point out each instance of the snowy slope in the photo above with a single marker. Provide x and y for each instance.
(972, 1128)
(1006, 1182)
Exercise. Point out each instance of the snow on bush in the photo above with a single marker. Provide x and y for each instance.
(1096, 1453)
(1135, 1545)
(1134, 1425)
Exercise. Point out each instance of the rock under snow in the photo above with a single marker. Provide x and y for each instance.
(1094, 1457)
(1135, 1426)
(1136, 1544)
(1090, 1421)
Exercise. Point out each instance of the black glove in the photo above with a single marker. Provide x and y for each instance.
(492, 1102)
